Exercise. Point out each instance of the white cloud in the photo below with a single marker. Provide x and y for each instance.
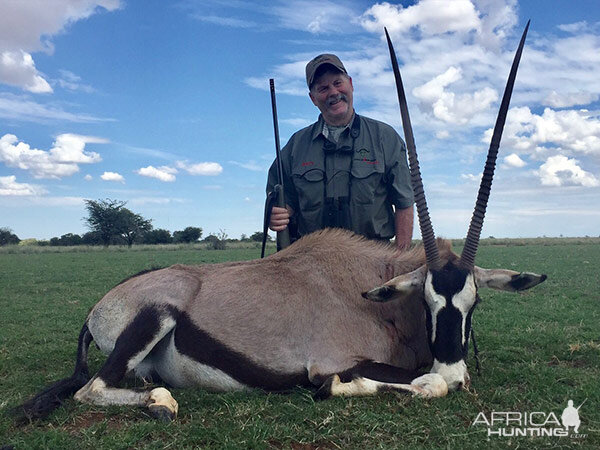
(156, 201)
(298, 122)
(472, 177)
(314, 16)
(88, 177)
(72, 82)
(40, 201)
(568, 130)
(23, 24)
(250, 165)
(10, 187)
(69, 148)
(513, 160)
(27, 26)
(61, 160)
(566, 99)
(430, 16)
(203, 168)
(561, 171)
(225, 21)
(576, 27)
(449, 107)
(18, 69)
(163, 173)
(112, 176)
(25, 109)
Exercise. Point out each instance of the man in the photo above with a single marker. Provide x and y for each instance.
(345, 170)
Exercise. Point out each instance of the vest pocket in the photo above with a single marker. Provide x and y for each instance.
(366, 181)
(309, 184)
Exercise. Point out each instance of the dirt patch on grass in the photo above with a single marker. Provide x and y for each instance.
(89, 419)
(574, 363)
(302, 446)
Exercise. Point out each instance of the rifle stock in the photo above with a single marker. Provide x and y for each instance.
(283, 237)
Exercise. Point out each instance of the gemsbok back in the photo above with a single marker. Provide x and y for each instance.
(298, 316)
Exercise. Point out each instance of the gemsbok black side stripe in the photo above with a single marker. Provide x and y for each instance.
(204, 349)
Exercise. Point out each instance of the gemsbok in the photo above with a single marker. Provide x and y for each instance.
(298, 316)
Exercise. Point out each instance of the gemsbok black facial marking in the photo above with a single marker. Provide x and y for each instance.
(451, 313)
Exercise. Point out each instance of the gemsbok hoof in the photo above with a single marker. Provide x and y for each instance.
(324, 392)
(162, 405)
(430, 385)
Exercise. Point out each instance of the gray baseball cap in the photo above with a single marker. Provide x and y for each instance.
(318, 61)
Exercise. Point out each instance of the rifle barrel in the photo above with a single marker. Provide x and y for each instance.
(283, 237)
(276, 130)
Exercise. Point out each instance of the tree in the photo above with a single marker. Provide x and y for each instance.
(109, 219)
(103, 218)
(159, 236)
(132, 226)
(190, 234)
(7, 237)
(258, 237)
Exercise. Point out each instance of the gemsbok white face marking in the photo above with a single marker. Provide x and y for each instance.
(450, 297)
(464, 301)
(435, 303)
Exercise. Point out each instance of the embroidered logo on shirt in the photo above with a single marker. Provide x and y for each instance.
(364, 156)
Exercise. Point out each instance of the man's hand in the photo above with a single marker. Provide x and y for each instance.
(280, 218)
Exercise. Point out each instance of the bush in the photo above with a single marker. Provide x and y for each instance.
(159, 236)
(30, 241)
(91, 238)
(258, 237)
(218, 242)
(7, 237)
(67, 240)
(190, 234)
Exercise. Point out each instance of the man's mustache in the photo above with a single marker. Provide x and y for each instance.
(336, 98)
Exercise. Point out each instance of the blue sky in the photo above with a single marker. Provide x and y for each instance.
(166, 105)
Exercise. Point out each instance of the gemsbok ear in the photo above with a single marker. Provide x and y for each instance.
(506, 280)
(399, 287)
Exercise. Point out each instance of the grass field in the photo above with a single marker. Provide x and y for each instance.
(538, 350)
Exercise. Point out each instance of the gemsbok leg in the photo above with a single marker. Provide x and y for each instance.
(136, 341)
(369, 378)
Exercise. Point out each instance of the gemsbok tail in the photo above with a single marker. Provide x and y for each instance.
(51, 398)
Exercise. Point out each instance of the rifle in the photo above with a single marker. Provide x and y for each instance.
(275, 198)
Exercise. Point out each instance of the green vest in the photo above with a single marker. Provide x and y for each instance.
(350, 184)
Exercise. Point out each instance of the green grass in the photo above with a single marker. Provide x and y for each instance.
(538, 350)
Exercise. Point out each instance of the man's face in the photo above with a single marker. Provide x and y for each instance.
(332, 94)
